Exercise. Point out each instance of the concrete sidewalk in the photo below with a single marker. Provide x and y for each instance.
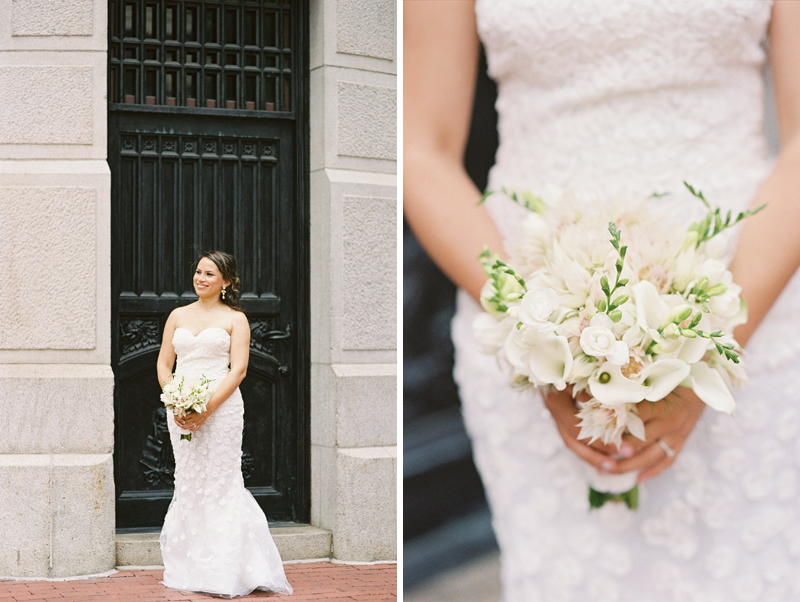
(316, 581)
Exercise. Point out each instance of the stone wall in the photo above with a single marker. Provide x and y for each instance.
(354, 275)
(56, 384)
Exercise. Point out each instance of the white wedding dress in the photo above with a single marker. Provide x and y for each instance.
(600, 97)
(215, 538)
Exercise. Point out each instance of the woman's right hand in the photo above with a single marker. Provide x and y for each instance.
(564, 410)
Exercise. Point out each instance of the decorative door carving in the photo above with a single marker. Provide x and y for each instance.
(207, 148)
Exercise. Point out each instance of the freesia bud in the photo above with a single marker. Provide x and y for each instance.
(679, 313)
(717, 289)
(671, 331)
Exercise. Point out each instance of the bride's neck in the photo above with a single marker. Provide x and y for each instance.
(209, 304)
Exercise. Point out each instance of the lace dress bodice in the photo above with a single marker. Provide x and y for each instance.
(601, 98)
(582, 83)
(207, 354)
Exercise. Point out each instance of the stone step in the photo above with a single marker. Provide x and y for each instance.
(294, 542)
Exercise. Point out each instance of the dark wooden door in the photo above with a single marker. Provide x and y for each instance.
(207, 150)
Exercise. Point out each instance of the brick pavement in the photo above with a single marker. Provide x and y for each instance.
(312, 582)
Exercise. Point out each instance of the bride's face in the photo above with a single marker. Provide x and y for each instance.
(208, 282)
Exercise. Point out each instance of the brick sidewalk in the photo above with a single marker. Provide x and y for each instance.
(315, 582)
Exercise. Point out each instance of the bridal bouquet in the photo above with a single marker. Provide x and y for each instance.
(186, 395)
(619, 303)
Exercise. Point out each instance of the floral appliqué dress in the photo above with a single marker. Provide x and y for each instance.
(605, 97)
(215, 538)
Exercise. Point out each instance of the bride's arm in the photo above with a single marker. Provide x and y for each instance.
(440, 202)
(166, 356)
(240, 356)
(768, 252)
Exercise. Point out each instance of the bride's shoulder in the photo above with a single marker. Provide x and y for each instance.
(239, 319)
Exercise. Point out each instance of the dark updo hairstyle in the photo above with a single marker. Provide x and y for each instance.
(226, 265)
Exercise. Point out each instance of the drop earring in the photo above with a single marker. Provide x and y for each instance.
(223, 293)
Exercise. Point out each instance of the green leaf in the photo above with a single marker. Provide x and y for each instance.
(486, 194)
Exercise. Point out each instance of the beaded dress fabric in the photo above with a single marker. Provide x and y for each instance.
(215, 538)
(605, 97)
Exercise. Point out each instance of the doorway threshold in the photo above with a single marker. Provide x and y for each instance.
(294, 542)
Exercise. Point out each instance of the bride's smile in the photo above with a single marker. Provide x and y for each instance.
(207, 279)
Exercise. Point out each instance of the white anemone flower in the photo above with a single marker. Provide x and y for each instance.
(608, 422)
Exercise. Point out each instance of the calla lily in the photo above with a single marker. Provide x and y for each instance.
(544, 357)
(709, 386)
(663, 376)
(609, 386)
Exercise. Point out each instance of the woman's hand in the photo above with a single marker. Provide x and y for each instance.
(193, 420)
(669, 421)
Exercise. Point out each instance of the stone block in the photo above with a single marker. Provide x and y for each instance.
(50, 104)
(48, 18)
(58, 516)
(25, 519)
(294, 542)
(302, 542)
(369, 272)
(61, 408)
(366, 405)
(48, 238)
(334, 303)
(82, 506)
(355, 405)
(138, 549)
(46, 178)
(366, 121)
(366, 28)
(353, 119)
(366, 512)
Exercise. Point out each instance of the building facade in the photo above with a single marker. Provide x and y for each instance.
(264, 123)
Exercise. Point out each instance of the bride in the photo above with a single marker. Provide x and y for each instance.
(596, 98)
(215, 538)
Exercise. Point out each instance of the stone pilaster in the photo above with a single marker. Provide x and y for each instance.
(56, 384)
(354, 275)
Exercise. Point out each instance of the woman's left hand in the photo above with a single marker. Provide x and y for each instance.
(192, 421)
(667, 425)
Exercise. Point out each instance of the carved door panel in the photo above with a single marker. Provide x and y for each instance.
(207, 151)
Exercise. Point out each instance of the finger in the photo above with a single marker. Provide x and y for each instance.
(650, 456)
(564, 413)
(656, 469)
(599, 460)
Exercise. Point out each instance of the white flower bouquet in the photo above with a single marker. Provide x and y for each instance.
(619, 303)
(184, 395)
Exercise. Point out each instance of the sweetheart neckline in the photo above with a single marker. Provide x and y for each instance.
(194, 336)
